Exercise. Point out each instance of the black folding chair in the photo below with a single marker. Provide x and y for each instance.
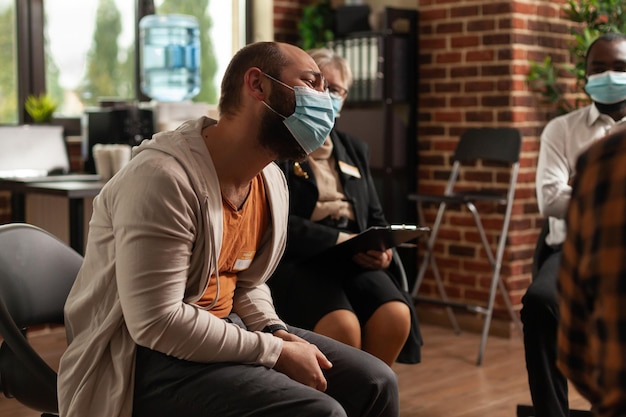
(489, 146)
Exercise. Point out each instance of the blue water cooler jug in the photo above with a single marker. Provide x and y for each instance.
(170, 57)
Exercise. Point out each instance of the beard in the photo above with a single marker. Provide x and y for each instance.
(273, 134)
(611, 108)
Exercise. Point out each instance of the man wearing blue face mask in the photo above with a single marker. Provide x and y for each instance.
(312, 119)
(170, 314)
(332, 198)
(562, 141)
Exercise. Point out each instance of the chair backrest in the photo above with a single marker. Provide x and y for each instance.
(501, 145)
(37, 271)
(497, 144)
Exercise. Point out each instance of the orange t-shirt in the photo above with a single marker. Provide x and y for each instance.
(243, 231)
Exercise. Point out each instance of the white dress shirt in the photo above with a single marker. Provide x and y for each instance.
(563, 139)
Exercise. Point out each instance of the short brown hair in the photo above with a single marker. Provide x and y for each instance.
(267, 56)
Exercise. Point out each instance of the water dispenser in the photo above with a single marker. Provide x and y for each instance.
(170, 57)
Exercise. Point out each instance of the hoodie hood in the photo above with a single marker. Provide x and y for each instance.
(177, 144)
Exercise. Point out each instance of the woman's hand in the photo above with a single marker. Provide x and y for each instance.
(373, 259)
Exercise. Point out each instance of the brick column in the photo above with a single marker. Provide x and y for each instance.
(286, 17)
(474, 58)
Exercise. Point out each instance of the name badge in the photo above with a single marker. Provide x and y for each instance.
(349, 169)
(243, 261)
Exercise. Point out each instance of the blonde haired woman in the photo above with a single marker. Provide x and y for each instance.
(332, 198)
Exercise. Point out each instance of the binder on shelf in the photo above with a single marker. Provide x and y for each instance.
(365, 58)
(381, 62)
(376, 68)
(379, 66)
(339, 48)
(360, 57)
(354, 60)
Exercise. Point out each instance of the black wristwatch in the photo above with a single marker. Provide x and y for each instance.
(274, 328)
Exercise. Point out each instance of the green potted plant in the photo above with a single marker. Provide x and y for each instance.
(40, 108)
(594, 17)
(316, 25)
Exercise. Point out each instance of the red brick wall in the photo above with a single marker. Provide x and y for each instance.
(286, 17)
(474, 57)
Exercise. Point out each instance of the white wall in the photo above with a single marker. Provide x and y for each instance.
(263, 18)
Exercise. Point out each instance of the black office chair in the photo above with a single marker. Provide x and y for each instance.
(37, 271)
(500, 146)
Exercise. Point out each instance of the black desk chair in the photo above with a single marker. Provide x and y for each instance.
(37, 271)
(491, 147)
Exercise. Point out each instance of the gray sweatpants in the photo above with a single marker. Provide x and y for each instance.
(358, 385)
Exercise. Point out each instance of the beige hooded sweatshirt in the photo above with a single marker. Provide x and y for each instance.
(154, 239)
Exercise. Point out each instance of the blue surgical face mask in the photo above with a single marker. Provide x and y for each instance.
(312, 120)
(337, 103)
(608, 87)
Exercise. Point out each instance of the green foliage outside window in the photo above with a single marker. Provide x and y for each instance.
(593, 18)
(104, 77)
(8, 73)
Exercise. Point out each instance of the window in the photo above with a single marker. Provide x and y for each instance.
(222, 33)
(90, 51)
(90, 57)
(8, 63)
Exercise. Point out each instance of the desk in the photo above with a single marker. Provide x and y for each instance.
(73, 188)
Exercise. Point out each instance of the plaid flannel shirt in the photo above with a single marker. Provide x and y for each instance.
(592, 281)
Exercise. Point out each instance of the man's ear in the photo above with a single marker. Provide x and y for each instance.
(256, 84)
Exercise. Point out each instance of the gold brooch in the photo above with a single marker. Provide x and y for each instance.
(297, 169)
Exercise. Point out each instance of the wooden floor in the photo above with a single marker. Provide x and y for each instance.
(446, 384)
(449, 384)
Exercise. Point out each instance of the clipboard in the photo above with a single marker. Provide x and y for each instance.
(376, 238)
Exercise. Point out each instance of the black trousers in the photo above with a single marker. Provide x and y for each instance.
(540, 315)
